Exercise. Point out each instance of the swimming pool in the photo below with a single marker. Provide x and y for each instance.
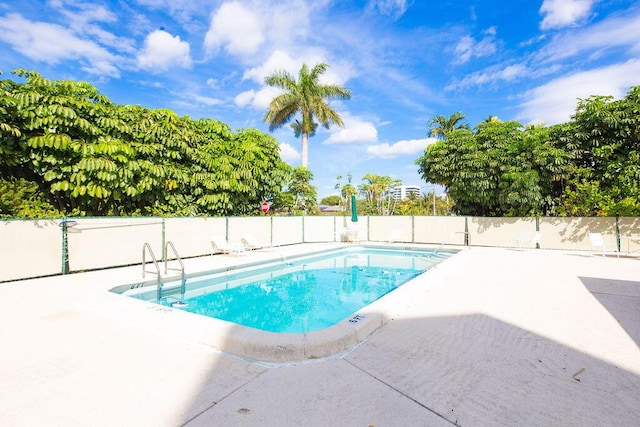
(299, 294)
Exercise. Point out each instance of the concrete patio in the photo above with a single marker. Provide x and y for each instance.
(495, 337)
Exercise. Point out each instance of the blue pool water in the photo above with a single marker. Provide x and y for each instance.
(306, 294)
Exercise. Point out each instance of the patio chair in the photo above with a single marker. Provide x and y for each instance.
(250, 242)
(528, 239)
(597, 242)
(221, 246)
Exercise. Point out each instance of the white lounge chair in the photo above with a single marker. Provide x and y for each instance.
(597, 242)
(250, 242)
(220, 245)
(528, 239)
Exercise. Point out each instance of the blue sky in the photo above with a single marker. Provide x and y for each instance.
(404, 61)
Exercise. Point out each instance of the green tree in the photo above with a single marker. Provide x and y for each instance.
(500, 169)
(427, 204)
(378, 191)
(87, 155)
(441, 126)
(307, 97)
(303, 194)
(331, 201)
(21, 199)
(605, 172)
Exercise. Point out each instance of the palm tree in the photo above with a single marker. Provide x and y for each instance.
(304, 96)
(440, 126)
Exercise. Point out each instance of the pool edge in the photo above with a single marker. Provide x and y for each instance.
(257, 345)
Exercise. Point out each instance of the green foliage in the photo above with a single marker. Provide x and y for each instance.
(377, 191)
(301, 194)
(500, 169)
(88, 155)
(306, 97)
(21, 199)
(441, 126)
(588, 166)
(428, 204)
(331, 201)
(605, 174)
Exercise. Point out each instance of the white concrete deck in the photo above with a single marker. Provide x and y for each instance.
(490, 337)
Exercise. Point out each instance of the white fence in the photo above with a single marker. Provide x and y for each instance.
(32, 248)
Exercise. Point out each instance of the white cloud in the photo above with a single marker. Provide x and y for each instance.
(468, 48)
(400, 148)
(244, 98)
(258, 100)
(83, 21)
(355, 130)
(236, 28)
(205, 100)
(556, 101)
(563, 13)
(288, 153)
(243, 28)
(615, 32)
(163, 51)
(52, 43)
(339, 72)
(489, 76)
(394, 8)
(279, 60)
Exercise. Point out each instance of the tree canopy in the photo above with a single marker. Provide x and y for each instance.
(440, 126)
(588, 166)
(88, 156)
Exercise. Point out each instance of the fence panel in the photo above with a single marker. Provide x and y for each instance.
(192, 236)
(439, 230)
(287, 230)
(259, 226)
(108, 242)
(30, 248)
(629, 235)
(573, 233)
(319, 229)
(381, 227)
(502, 232)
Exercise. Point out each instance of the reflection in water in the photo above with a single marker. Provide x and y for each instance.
(301, 301)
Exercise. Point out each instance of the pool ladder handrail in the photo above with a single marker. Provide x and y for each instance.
(147, 247)
(183, 279)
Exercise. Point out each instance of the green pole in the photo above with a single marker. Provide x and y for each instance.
(354, 213)
(64, 246)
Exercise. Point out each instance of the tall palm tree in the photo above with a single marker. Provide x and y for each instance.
(440, 126)
(304, 96)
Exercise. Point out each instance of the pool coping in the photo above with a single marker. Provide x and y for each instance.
(263, 346)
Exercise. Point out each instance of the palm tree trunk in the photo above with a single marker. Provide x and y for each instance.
(305, 148)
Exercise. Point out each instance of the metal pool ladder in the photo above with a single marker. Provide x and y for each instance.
(183, 280)
(147, 247)
(163, 292)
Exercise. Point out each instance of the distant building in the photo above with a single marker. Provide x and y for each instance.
(403, 191)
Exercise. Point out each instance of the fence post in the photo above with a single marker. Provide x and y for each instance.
(413, 226)
(164, 255)
(65, 252)
(466, 231)
(618, 232)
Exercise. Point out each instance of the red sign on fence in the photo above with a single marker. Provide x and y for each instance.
(264, 207)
